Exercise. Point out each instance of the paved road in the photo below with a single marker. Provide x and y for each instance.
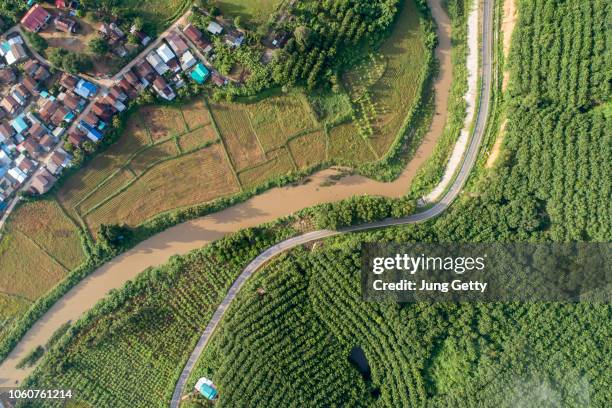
(468, 163)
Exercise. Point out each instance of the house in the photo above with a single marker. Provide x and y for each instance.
(71, 101)
(133, 80)
(118, 93)
(187, 60)
(177, 44)
(68, 81)
(48, 109)
(42, 73)
(143, 38)
(12, 53)
(5, 159)
(20, 94)
(42, 181)
(200, 73)
(85, 89)
(26, 165)
(279, 39)
(91, 119)
(234, 38)
(6, 132)
(9, 104)
(214, 28)
(207, 389)
(165, 53)
(61, 114)
(36, 18)
(57, 161)
(157, 63)
(37, 131)
(127, 88)
(120, 50)
(145, 72)
(92, 133)
(60, 4)
(76, 137)
(102, 111)
(31, 146)
(112, 33)
(17, 174)
(30, 67)
(163, 89)
(174, 65)
(46, 142)
(20, 125)
(197, 38)
(7, 76)
(114, 102)
(65, 24)
(30, 84)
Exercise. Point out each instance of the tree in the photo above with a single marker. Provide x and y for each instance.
(98, 46)
(36, 41)
(238, 21)
(138, 23)
(302, 35)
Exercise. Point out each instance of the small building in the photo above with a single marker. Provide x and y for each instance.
(13, 53)
(37, 131)
(31, 146)
(177, 44)
(20, 125)
(112, 33)
(196, 36)
(157, 63)
(187, 60)
(9, 104)
(200, 73)
(217, 79)
(126, 87)
(234, 38)
(36, 18)
(7, 76)
(46, 142)
(165, 53)
(65, 24)
(85, 89)
(142, 37)
(20, 94)
(207, 389)
(42, 181)
(17, 174)
(6, 131)
(58, 161)
(30, 84)
(76, 137)
(214, 28)
(102, 111)
(145, 72)
(92, 133)
(118, 93)
(91, 119)
(61, 115)
(26, 165)
(68, 81)
(71, 101)
(163, 89)
(48, 109)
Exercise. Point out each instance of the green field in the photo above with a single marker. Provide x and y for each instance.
(158, 13)
(252, 12)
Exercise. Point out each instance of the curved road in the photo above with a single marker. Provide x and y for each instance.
(468, 163)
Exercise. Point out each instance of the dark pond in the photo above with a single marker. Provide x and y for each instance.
(358, 358)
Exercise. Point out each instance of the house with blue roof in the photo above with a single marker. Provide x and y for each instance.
(200, 73)
(206, 387)
(19, 124)
(85, 89)
(91, 132)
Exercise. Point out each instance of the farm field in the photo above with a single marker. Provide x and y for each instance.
(252, 12)
(136, 365)
(158, 13)
(11, 308)
(309, 149)
(278, 164)
(187, 180)
(194, 139)
(163, 122)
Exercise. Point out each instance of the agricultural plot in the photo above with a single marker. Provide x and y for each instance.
(45, 223)
(191, 179)
(252, 12)
(28, 276)
(158, 13)
(151, 333)
(237, 133)
(279, 165)
(152, 155)
(196, 114)
(331, 108)
(309, 149)
(163, 121)
(346, 143)
(79, 185)
(107, 189)
(277, 118)
(196, 138)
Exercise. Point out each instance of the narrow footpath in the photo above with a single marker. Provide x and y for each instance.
(263, 208)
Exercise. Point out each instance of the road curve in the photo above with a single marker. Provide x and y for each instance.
(469, 160)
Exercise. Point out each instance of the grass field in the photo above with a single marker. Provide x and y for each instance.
(237, 132)
(308, 149)
(279, 164)
(11, 307)
(191, 179)
(331, 108)
(252, 12)
(196, 114)
(277, 118)
(157, 13)
(105, 190)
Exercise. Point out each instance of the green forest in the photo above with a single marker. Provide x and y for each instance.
(289, 345)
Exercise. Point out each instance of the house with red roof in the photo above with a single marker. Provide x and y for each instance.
(36, 18)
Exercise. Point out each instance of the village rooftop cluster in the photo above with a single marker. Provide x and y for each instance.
(35, 123)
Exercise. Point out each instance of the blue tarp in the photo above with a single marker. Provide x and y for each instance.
(199, 73)
(19, 124)
(207, 391)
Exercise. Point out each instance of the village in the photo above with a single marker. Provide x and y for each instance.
(43, 110)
